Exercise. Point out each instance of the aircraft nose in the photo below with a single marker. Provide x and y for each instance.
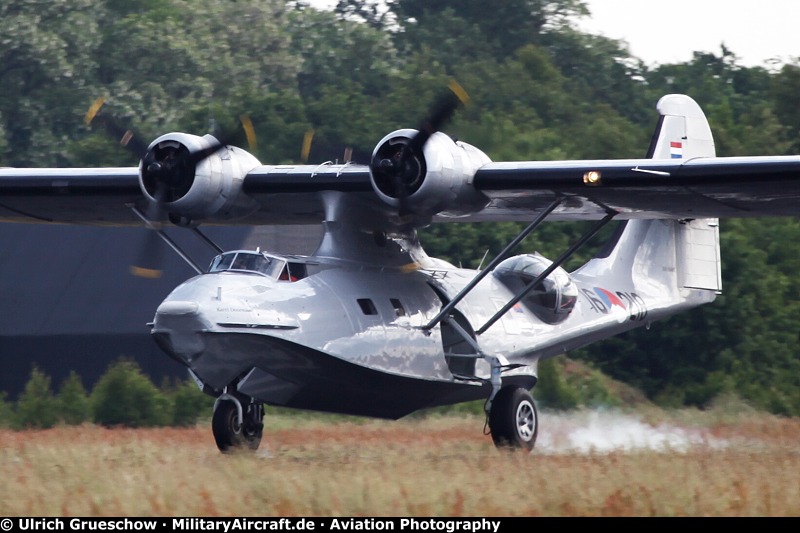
(177, 328)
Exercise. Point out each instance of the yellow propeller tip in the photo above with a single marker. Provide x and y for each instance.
(147, 273)
(249, 131)
(306, 150)
(459, 91)
(93, 109)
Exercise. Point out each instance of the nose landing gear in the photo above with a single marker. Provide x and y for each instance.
(237, 424)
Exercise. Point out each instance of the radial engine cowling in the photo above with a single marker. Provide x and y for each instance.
(436, 180)
(195, 187)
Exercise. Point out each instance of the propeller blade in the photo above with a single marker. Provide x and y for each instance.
(151, 258)
(225, 139)
(250, 133)
(195, 158)
(306, 149)
(149, 264)
(126, 137)
(443, 111)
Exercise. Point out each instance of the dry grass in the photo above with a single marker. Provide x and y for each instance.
(429, 467)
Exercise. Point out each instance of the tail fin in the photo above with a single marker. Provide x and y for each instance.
(684, 133)
(683, 254)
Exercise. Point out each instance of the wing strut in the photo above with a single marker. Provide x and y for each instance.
(203, 237)
(549, 270)
(496, 261)
(172, 244)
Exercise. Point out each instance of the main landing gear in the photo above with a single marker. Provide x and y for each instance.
(237, 424)
(510, 410)
(513, 419)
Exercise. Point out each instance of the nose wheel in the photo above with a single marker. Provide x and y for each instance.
(513, 419)
(232, 431)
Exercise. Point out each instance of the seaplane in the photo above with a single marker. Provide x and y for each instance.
(369, 324)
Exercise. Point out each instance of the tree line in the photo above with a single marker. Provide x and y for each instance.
(540, 89)
(125, 397)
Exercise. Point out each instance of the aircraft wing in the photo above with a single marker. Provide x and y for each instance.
(714, 187)
(285, 194)
(69, 195)
(646, 188)
(415, 177)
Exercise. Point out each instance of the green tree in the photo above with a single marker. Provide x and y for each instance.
(341, 54)
(190, 404)
(46, 66)
(125, 397)
(36, 406)
(552, 389)
(783, 93)
(74, 406)
(506, 27)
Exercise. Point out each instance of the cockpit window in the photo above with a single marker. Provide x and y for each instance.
(279, 268)
(221, 262)
(554, 298)
(254, 262)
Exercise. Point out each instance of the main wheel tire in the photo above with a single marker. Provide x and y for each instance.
(513, 419)
(228, 433)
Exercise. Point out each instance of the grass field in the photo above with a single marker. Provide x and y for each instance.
(585, 464)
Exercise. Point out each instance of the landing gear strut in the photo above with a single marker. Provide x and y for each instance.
(236, 424)
(510, 410)
(513, 419)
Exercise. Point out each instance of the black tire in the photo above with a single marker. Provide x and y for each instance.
(513, 419)
(229, 434)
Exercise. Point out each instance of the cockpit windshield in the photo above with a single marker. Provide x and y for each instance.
(248, 261)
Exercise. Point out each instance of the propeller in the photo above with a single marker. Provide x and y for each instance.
(402, 168)
(167, 170)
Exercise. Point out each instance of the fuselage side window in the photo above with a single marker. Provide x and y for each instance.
(367, 306)
(399, 310)
(554, 297)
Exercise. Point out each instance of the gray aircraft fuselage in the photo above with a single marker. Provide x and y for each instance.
(346, 334)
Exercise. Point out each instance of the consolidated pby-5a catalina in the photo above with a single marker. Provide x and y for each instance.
(369, 324)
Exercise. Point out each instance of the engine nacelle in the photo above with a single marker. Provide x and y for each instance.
(439, 181)
(191, 190)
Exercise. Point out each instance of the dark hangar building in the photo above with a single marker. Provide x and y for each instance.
(68, 300)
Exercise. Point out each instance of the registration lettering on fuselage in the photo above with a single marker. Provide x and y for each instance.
(603, 301)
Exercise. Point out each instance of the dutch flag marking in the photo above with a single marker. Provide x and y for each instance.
(676, 150)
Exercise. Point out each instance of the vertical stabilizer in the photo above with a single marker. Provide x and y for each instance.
(689, 249)
(684, 133)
